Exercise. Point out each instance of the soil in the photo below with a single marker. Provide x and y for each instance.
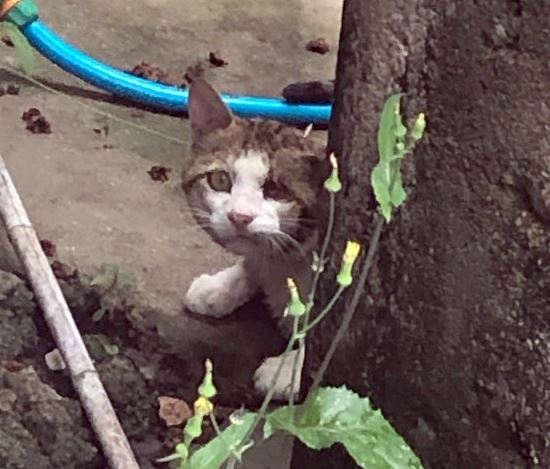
(86, 189)
(149, 364)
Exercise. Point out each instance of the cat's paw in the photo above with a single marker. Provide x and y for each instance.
(209, 297)
(220, 294)
(263, 377)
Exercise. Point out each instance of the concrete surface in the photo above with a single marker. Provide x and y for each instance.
(98, 204)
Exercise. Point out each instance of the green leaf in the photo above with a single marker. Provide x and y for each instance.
(125, 279)
(338, 415)
(400, 130)
(110, 349)
(386, 130)
(381, 183)
(397, 193)
(24, 50)
(99, 314)
(219, 449)
(99, 342)
(107, 277)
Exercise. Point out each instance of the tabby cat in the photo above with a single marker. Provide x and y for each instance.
(254, 185)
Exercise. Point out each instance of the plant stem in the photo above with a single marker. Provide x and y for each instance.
(301, 347)
(271, 391)
(348, 315)
(325, 311)
(313, 290)
(321, 260)
(216, 428)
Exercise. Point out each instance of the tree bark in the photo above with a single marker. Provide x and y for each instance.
(452, 336)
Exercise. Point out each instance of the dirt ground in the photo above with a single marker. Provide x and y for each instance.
(87, 190)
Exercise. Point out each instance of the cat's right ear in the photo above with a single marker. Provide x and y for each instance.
(207, 111)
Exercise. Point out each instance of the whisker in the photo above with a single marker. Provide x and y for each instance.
(300, 218)
(283, 243)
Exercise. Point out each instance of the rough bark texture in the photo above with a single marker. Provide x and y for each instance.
(452, 337)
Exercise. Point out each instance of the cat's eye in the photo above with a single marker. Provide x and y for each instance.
(219, 180)
(274, 191)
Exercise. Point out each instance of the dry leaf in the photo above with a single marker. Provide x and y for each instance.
(319, 46)
(159, 173)
(173, 411)
(48, 247)
(216, 60)
(36, 122)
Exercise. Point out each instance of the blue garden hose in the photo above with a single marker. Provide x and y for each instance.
(147, 92)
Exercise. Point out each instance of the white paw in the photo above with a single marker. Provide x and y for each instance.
(263, 377)
(208, 297)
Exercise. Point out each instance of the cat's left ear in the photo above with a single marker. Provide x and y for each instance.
(207, 110)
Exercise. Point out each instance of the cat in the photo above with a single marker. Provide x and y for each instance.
(254, 185)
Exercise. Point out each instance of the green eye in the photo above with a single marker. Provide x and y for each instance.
(219, 180)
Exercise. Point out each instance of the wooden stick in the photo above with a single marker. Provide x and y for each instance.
(63, 328)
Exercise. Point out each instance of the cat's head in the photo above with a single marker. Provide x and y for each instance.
(251, 183)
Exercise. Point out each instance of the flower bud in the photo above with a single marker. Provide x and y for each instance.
(193, 427)
(296, 307)
(333, 184)
(351, 253)
(418, 129)
(207, 388)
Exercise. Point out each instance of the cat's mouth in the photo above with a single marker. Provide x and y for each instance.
(236, 239)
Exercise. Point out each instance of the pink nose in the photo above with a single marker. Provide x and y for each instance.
(240, 220)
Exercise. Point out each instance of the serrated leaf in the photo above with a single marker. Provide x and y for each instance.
(397, 193)
(381, 183)
(219, 449)
(338, 415)
(125, 279)
(107, 276)
(386, 130)
(98, 343)
(24, 50)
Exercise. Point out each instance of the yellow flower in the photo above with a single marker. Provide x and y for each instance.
(203, 406)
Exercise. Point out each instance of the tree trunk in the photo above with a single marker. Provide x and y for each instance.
(452, 336)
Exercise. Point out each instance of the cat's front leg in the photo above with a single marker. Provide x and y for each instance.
(220, 294)
(284, 386)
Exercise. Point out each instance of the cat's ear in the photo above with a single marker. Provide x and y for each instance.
(207, 111)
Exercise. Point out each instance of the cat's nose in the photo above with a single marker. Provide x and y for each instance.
(239, 219)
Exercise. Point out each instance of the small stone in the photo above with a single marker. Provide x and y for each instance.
(54, 360)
